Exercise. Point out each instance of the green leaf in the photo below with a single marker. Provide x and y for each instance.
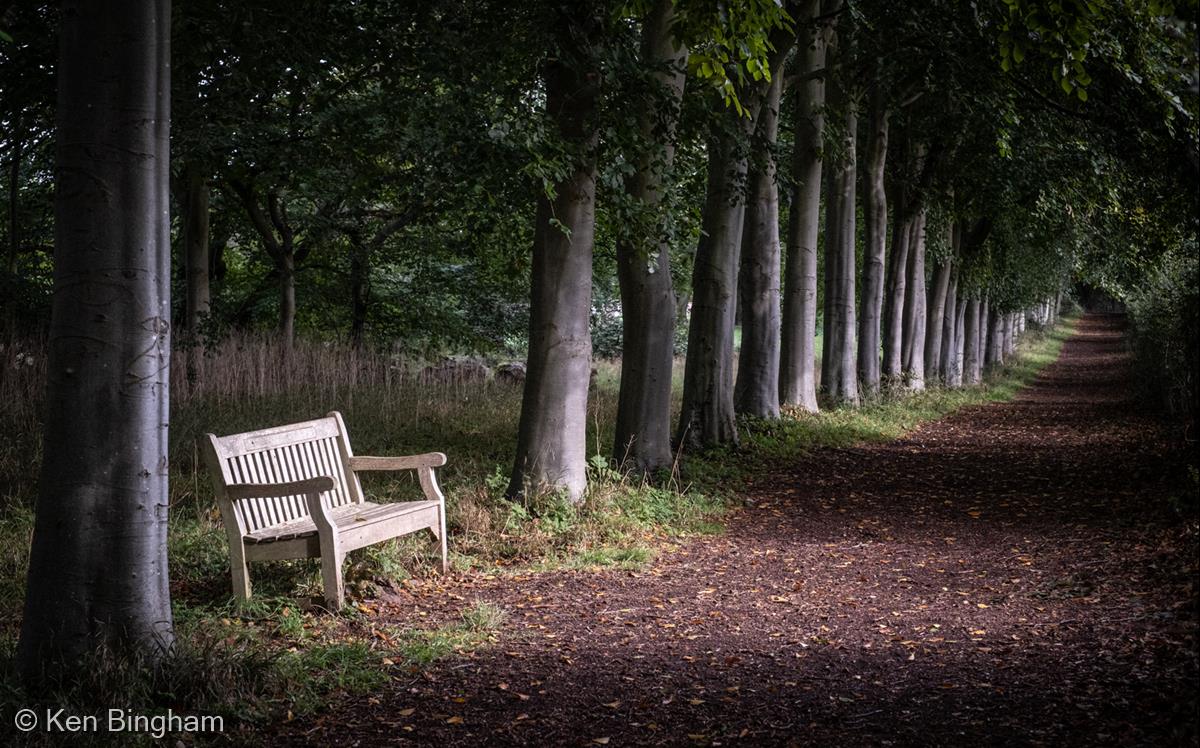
(5, 37)
(1082, 93)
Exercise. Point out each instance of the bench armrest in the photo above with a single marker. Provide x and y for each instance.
(411, 462)
(314, 486)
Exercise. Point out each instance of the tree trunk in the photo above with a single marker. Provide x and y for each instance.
(551, 442)
(707, 417)
(875, 211)
(756, 392)
(896, 289)
(839, 369)
(278, 239)
(945, 366)
(287, 300)
(972, 352)
(797, 365)
(642, 441)
(195, 248)
(995, 339)
(913, 344)
(360, 289)
(14, 186)
(936, 318)
(960, 313)
(98, 563)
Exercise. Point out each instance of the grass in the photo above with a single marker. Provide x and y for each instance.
(276, 656)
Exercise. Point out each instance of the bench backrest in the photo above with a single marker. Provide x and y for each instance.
(278, 455)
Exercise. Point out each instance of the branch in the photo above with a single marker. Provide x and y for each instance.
(1049, 102)
(245, 193)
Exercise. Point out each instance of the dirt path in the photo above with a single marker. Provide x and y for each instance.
(1009, 574)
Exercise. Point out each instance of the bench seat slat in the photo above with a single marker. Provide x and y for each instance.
(346, 516)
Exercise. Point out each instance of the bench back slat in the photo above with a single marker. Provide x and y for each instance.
(284, 454)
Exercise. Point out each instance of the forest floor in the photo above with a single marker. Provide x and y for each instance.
(1014, 573)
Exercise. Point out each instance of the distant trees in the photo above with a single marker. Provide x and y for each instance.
(348, 171)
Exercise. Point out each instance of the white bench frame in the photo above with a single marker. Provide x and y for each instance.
(293, 492)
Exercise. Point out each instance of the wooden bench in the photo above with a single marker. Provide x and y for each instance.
(293, 492)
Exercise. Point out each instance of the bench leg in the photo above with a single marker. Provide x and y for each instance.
(239, 571)
(442, 537)
(438, 532)
(331, 579)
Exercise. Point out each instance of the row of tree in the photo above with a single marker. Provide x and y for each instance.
(685, 150)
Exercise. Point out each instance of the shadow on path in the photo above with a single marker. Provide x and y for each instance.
(1010, 574)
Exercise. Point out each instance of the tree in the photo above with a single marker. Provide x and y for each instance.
(707, 416)
(797, 362)
(98, 566)
(643, 431)
(551, 438)
(839, 369)
(756, 391)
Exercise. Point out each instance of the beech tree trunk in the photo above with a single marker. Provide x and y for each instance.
(195, 247)
(839, 369)
(948, 365)
(994, 355)
(797, 365)
(935, 318)
(972, 352)
(707, 417)
(98, 563)
(551, 441)
(913, 344)
(14, 187)
(896, 290)
(642, 442)
(756, 392)
(960, 313)
(875, 211)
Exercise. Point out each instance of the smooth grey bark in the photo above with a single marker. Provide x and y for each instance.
(756, 391)
(875, 213)
(972, 353)
(896, 288)
(1009, 324)
(839, 366)
(797, 363)
(949, 336)
(913, 343)
(551, 440)
(935, 318)
(982, 336)
(642, 442)
(994, 352)
(195, 247)
(707, 416)
(955, 375)
(98, 562)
